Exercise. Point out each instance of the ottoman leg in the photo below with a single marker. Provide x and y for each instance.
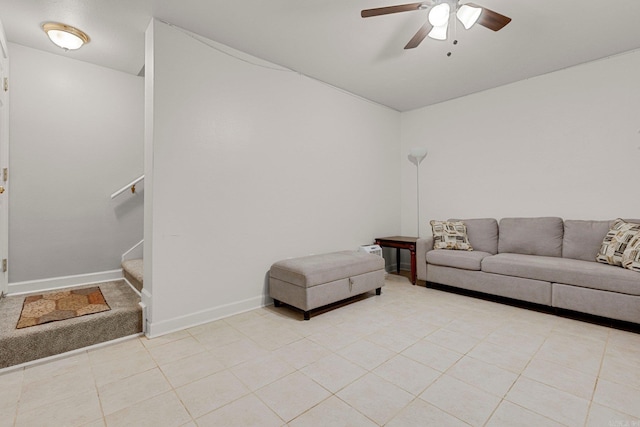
(276, 303)
(378, 291)
(306, 315)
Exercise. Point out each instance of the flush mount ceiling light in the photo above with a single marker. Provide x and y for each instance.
(65, 36)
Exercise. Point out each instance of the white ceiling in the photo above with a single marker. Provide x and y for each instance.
(328, 40)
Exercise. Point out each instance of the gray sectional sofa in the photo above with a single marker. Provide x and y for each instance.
(540, 260)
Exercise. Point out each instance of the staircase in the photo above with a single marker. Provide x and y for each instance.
(125, 317)
(19, 346)
(132, 270)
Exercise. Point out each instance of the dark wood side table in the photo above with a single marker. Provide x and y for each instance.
(401, 242)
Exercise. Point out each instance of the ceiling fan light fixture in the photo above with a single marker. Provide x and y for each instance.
(439, 14)
(439, 17)
(65, 36)
(439, 33)
(468, 15)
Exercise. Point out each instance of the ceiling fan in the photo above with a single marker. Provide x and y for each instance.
(439, 13)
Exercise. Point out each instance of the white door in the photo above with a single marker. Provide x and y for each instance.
(4, 160)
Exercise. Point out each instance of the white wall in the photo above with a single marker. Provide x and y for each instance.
(563, 144)
(76, 137)
(252, 165)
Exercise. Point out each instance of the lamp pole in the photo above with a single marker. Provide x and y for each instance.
(417, 155)
(418, 198)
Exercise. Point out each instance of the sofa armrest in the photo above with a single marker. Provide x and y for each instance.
(423, 245)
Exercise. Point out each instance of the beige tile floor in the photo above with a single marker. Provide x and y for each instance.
(409, 357)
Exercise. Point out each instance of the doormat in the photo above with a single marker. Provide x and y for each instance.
(61, 305)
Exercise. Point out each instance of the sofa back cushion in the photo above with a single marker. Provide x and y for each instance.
(482, 233)
(531, 236)
(582, 239)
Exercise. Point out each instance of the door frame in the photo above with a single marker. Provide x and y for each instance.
(4, 160)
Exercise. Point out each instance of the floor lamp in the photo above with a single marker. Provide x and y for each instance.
(416, 156)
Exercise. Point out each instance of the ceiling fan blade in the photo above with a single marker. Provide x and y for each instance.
(367, 13)
(419, 36)
(490, 19)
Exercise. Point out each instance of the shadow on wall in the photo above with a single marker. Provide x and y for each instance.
(266, 299)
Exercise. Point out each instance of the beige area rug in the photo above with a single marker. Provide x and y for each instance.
(61, 305)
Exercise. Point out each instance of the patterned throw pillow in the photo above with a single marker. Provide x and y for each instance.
(450, 235)
(631, 255)
(616, 242)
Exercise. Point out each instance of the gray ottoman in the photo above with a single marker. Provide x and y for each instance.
(317, 280)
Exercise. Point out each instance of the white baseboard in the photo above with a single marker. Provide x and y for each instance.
(136, 252)
(156, 329)
(133, 288)
(63, 282)
(145, 303)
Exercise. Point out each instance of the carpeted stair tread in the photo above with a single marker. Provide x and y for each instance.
(23, 345)
(135, 268)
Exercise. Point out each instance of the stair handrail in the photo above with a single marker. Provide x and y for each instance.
(131, 186)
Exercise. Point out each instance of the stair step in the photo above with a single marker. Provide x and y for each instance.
(133, 270)
(19, 346)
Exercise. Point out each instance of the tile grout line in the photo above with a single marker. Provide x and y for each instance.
(343, 319)
(595, 384)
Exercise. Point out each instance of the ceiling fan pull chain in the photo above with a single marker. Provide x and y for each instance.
(455, 35)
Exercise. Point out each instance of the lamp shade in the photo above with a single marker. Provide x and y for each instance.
(439, 14)
(468, 15)
(418, 153)
(439, 33)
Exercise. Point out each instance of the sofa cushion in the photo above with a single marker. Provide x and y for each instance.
(531, 236)
(565, 270)
(582, 239)
(467, 260)
(450, 235)
(483, 234)
(631, 255)
(616, 240)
